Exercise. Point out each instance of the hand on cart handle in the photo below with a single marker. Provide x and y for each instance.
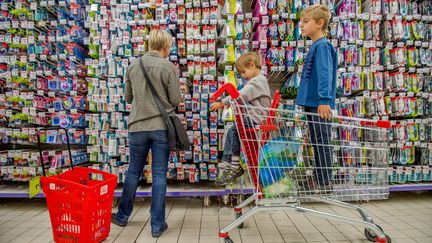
(325, 112)
(216, 105)
(229, 88)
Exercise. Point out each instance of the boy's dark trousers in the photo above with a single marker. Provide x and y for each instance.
(320, 135)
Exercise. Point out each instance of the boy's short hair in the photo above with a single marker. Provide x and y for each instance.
(159, 39)
(244, 61)
(317, 12)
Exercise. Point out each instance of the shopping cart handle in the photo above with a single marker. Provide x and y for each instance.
(229, 88)
(379, 123)
(268, 128)
(384, 124)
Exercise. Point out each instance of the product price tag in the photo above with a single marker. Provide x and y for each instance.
(300, 43)
(15, 24)
(24, 74)
(343, 44)
(34, 186)
(33, 6)
(16, 40)
(265, 20)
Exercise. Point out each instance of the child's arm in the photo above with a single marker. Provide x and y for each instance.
(216, 106)
(251, 91)
(324, 65)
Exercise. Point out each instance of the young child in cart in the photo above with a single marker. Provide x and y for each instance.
(256, 93)
(317, 91)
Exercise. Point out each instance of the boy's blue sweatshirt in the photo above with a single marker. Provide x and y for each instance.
(318, 80)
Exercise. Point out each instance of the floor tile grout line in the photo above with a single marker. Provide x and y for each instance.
(142, 229)
(332, 208)
(258, 229)
(199, 232)
(181, 227)
(298, 230)
(123, 228)
(313, 226)
(166, 216)
(280, 234)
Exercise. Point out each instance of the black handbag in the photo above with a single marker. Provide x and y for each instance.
(178, 138)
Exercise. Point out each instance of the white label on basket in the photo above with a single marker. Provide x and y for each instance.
(52, 186)
(104, 190)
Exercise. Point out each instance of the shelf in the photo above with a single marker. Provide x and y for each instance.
(173, 190)
(411, 187)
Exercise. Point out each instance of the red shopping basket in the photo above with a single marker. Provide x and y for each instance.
(79, 203)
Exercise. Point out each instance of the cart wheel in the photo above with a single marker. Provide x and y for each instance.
(228, 240)
(370, 235)
(207, 201)
(386, 240)
(238, 215)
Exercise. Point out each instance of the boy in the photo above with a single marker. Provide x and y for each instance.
(317, 91)
(256, 92)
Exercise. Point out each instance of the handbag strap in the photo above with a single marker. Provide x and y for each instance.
(152, 89)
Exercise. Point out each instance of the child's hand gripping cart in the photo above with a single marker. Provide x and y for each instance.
(295, 157)
(79, 200)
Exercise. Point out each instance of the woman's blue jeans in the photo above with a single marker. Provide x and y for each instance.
(140, 143)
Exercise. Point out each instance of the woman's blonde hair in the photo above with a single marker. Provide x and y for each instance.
(318, 12)
(159, 39)
(244, 61)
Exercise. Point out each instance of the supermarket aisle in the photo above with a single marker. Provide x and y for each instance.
(406, 217)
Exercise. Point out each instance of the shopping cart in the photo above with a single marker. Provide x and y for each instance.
(79, 200)
(290, 162)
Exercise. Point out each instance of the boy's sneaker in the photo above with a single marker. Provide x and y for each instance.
(230, 175)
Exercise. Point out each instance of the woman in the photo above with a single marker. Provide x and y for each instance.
(147, 128)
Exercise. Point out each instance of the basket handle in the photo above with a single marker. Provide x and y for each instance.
(106, 177)
(40, 146)
(229, 88)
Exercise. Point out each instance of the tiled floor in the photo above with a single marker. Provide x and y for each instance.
(406, 217)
